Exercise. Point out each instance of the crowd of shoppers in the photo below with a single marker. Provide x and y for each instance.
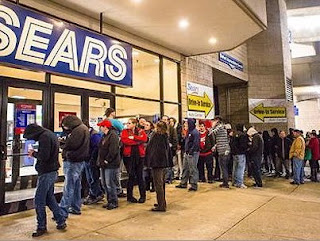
(157, 153)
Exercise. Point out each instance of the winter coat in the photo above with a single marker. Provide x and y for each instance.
(140, 137)
(173, 139)
(158, 152)
(208, 142)
(256, 148)
(48, 151)
(239, 143)
(192, 143)
(95, 139)
(283, 146)
(76, 147)
(314, 146)
(298, 148)
(109, 151)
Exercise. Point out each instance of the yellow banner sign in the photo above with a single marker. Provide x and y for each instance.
(200, 103)
(262, 112)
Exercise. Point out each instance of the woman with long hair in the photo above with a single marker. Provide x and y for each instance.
(158, 156)
(133, 139)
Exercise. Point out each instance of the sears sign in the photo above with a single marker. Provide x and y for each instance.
(35, 41)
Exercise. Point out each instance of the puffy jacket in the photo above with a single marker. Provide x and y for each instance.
(47, 154)
(109, 151)
(76, 147)
(139, 138)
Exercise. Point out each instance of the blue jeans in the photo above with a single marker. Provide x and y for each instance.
(72, 187)
(190, 170)
(239, 165)
(298, 170)
(109, 179)
(93, 175)
(45, 197)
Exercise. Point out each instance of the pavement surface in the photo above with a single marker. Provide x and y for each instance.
(279, 211)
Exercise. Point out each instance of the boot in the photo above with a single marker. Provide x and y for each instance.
(313, 174)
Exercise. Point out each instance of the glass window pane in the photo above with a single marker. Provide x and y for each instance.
(55, 79)
(146, 79)
(22, 74)
(172, 110)
(170, 81)
(97, 109)
(127, 107)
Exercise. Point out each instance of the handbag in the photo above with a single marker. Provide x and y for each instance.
(308, 154)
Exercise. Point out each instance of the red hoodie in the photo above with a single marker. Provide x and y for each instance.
(314, 146)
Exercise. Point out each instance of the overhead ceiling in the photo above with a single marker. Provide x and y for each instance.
(158, 20)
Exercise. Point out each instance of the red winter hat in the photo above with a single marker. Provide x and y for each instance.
(105, 123)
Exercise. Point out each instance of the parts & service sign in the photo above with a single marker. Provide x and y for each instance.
(35, 41)
(267, 110)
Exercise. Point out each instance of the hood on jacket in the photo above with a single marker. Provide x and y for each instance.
(71, 121)
(251, 131)
(239, 127)
(33, 132)
(191, 124)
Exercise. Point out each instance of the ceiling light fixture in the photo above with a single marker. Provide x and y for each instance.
(183, 23)
(136, 1)
(213, 40)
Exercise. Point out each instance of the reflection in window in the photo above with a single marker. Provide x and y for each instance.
(170, 81)
(146, 79)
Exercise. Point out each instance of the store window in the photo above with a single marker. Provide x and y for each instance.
(171, 110)
(55, 79)
(97, 108)
(146, 77)
(170, 81)
(22, 74)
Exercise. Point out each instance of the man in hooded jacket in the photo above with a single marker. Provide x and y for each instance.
(75, 152)
(191, 157)
(47, 166)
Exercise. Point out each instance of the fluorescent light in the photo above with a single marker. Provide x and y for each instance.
(213, 40)
(184, 23)
(18, 97)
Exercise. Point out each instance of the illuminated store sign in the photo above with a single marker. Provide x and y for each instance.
(33, 40)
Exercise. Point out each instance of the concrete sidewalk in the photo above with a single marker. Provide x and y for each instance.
(277, 211)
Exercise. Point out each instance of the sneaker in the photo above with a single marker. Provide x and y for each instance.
(72, 211)
(142, 200)
(132, 200)
(256, 186)
(294, 183)
(157, 209)
(122, 195)
(61, 226)
(112, 206)
(242, 186)
(39, 232)
(181, 186)
(192, 189)
(90, 201)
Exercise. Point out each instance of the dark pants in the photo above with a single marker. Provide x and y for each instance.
(159, 183)
(148, 179)
(314, 170)
(217, 171)
(208, 162)
(45, 197)
(110, 179)
(224, 161)
(256, 170)
(93, 176)
(134, 168)
(280, 163)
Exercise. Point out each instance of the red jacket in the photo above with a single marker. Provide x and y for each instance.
(314, 146)
(137, 140)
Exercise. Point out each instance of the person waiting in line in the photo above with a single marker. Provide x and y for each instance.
(222, 147)
(191, 157)
(47, 167)
(109, 162)
(158, 157)
(173, 141)
(239, 147)
(255, 155)
(110, 114)
(314, 146)
(75, 152)
(297, 152)
(149, 130)
(283, 150)
(274, 150)
(92, 171)
(206, 156)
(177, 158)
(181, 145)
(133, 139)
(267, 166)
(141, 123)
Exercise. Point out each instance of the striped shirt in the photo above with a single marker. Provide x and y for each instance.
(222, 140)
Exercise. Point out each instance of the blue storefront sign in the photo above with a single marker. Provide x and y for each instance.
(35, 41)
(230, 61)
(25, 114)
(296, 110)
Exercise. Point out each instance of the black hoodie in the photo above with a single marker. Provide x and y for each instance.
(47, 154)
(76, 147)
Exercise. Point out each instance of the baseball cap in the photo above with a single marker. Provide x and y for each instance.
(105, 123)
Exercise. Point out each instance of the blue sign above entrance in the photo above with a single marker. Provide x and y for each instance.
(232, 62)
(35, 41)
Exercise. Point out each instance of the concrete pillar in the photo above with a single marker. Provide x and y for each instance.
(269, 63)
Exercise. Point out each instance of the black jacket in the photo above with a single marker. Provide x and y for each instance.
(173, 138)
(158, 152)
(76, 147)
(109, 151)
(256, 148)
(47, 154)
(286, 144)
(239, 143)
